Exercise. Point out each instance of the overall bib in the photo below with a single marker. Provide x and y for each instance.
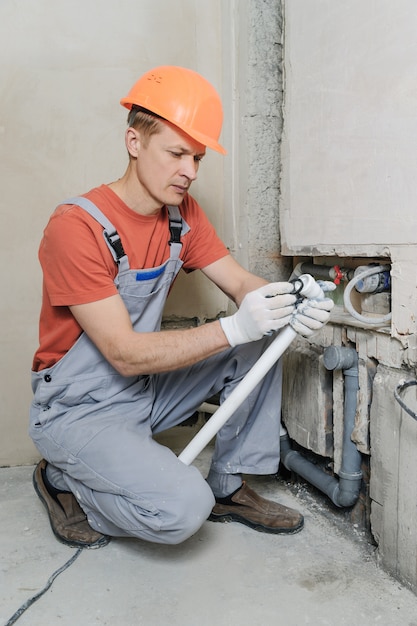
(96, 426)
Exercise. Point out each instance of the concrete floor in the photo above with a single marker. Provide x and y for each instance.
(226, 574)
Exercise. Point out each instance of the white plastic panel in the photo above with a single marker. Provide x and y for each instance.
(349, 178)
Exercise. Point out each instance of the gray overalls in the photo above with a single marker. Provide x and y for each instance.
(97, 426)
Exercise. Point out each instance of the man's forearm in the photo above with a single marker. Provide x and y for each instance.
(151, 353)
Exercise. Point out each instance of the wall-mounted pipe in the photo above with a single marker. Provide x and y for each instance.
(345, 491)
(325, 272)
(373, 278)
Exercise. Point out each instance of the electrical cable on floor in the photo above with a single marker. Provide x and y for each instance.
(397, 391)
(33, 599)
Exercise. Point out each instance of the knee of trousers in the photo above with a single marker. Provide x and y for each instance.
(190, 511)
(180, 514)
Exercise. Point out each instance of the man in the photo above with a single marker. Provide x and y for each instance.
(105, 378)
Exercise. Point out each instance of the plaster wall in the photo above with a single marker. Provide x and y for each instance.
(64, 67)
(393, 465)
(348, 149)
(348, 197)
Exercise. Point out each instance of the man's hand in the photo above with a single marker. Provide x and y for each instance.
(311, 315)
(262, 311)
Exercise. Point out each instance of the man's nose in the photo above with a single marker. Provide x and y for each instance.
(189, 167)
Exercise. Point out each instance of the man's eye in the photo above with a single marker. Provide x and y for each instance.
(177, 155)
(198, 158)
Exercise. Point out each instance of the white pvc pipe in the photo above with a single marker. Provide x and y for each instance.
(238, 395)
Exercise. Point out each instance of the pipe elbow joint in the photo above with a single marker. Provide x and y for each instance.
(348, 489)
(343, 492)
(289, 459)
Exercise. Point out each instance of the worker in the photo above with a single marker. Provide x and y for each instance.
(106, 378)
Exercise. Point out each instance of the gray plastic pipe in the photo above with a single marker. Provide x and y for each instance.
(308, 289)
(345, 491)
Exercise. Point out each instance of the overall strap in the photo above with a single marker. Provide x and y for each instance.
(175, 224)
(110, 233)
(177, 227)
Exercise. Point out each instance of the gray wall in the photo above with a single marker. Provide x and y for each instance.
(348, 197)
(64, 67)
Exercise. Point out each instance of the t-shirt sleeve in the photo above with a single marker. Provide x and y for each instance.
(77, 265)
(203, 245)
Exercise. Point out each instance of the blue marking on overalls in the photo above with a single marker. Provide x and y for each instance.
(149, 274)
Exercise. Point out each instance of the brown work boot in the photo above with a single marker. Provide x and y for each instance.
(68, 520)
(249, 508)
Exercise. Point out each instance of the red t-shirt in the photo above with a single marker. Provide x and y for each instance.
(78, 267)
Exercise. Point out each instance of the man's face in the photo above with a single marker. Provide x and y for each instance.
(166, 165)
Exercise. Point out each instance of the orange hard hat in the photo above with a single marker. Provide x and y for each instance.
(183, 98)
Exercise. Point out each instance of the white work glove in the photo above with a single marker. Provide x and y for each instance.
(262, 311)
(311, 315)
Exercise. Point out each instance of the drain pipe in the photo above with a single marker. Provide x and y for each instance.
(345, 491)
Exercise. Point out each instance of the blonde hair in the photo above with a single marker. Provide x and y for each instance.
(145, 122)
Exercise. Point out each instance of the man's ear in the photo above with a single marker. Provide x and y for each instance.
(132, 140)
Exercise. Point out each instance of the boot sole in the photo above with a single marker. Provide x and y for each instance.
(100, 543)
(233, 517)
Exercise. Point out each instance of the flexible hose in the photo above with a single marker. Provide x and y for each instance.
(374, 321)
(400, 388)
